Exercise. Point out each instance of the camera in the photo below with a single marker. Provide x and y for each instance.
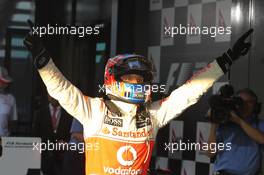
(223, 103)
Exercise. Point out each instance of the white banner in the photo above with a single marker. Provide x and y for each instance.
(18, 155)
(202, 134)
(176, 134)
(211, 170)
(188, 167)
(194, 21)
(161, 163)
(185, 73)
(179, 73)
(154, 57)
(167, 20)
(171, 76)
(223, 19)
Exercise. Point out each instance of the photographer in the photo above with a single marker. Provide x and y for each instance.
(245, 132)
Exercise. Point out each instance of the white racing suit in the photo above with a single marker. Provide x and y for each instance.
(114, 145)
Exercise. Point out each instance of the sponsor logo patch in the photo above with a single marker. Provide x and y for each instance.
(113, 121)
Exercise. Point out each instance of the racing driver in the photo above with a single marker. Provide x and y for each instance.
(122, 126)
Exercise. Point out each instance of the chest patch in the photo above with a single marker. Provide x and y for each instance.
(113, 121)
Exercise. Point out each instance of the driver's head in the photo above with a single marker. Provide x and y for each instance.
(128, 78)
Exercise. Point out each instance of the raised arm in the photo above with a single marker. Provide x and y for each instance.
(70, 97)
(189, 93)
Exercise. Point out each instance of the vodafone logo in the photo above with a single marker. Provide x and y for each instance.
(126, 155)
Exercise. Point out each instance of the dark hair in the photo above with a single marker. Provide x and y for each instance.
(248, 92)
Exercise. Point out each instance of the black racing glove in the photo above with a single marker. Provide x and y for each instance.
(240, 48)
(34, 45)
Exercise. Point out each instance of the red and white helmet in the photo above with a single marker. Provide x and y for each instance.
(124, 65)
